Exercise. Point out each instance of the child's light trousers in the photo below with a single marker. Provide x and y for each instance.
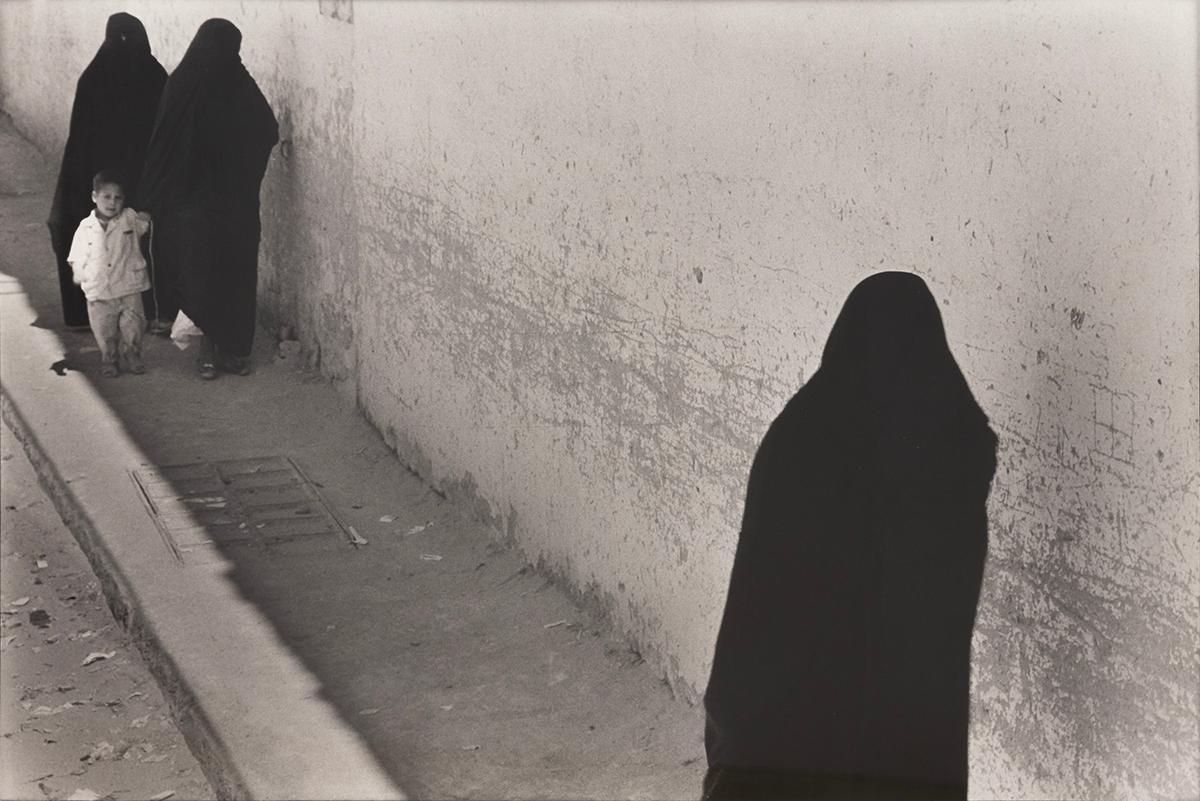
(118, 325)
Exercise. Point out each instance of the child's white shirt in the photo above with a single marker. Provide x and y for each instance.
(107, 262)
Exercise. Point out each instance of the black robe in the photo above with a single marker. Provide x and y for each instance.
(842, 663)
(204, 169)
(116, 98)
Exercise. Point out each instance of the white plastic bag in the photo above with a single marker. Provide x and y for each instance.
(182, 329)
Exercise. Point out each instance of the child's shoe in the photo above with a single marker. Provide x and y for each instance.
(160, 328)
(109, 370)
(135, 364)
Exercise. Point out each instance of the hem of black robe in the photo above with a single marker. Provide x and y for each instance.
(722, 782)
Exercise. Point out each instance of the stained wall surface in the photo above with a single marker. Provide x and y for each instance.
(571, 259)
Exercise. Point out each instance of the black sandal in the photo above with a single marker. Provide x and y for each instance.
(207, 370)
(234, 365)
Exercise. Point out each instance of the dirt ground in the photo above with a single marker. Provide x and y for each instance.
(80, 715)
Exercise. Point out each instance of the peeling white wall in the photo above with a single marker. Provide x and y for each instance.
(573, 258)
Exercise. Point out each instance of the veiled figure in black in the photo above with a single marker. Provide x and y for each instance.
(842, 664)
(204, 169)
(116, 98)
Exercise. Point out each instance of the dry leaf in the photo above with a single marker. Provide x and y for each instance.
(96, 656)
(83, 794)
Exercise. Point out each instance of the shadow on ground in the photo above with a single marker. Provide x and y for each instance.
(467, 673)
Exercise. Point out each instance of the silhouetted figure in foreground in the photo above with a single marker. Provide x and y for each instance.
(204, 168)
(842, 665)
(111, 118)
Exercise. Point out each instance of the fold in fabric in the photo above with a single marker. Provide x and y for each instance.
(204, 168)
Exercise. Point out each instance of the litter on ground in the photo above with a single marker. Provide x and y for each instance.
(96, 656)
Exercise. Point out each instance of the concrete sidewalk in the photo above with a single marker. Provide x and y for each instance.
(429, 662)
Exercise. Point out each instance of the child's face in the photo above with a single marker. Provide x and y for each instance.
(109, 200)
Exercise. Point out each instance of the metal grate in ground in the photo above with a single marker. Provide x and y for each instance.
(203, 505)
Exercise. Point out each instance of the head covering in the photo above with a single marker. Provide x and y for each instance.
(889, 340)
(844, 647)
(125, 34)
(209, 78)
(116, 99)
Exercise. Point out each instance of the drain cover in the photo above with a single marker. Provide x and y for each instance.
(204, 504)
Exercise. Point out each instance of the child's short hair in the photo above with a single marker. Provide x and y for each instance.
(106, 177)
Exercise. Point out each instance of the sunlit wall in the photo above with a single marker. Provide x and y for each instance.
(572, 258)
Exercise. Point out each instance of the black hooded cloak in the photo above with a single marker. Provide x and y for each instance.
(116, 98)
(842, 663)
(204, 169)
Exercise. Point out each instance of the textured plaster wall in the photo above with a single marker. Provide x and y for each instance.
(573, 258)
(301, 60)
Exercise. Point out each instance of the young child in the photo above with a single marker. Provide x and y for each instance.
(106, 261)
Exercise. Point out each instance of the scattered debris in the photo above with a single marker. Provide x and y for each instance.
(418, 529)
(554, 624)
(96, 656)
(138, 723)
(41, 564)
(370, 711)
(83, 794)
(116, 707)
(21, 601)
(163, 796)
(355, 537)
(288, 349)
(154, 758)
(431, 557)
(102, 750)
(47, 711)
(40, 618)
(7, 641)
(387, 519)
(206, 500)
(447, 707)
(470, 748)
